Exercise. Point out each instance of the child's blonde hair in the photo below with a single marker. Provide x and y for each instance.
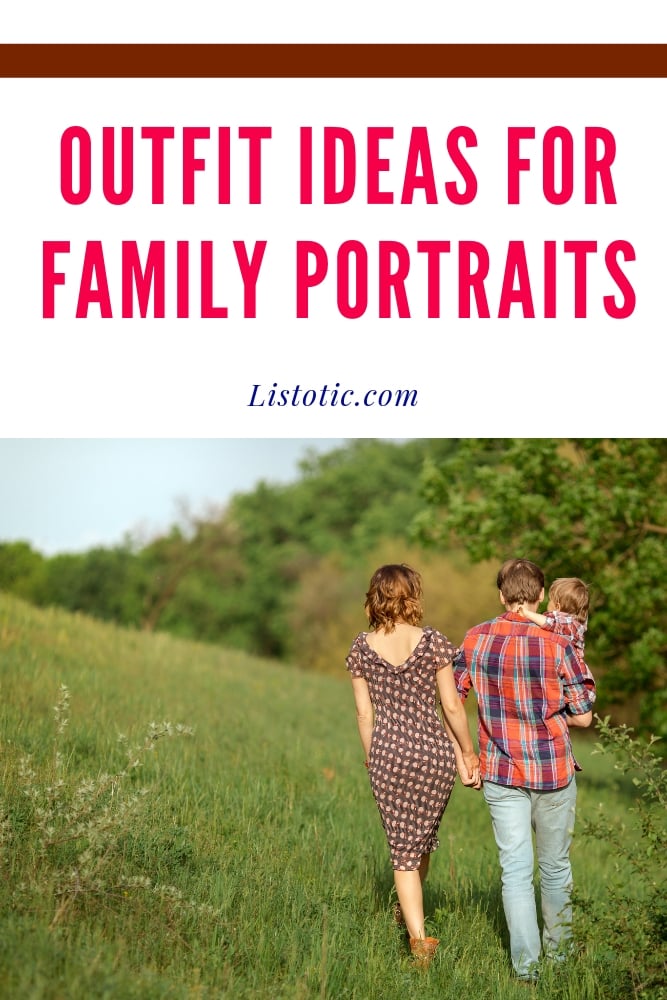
(570, 595)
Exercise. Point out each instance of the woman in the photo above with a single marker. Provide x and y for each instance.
(412, 760)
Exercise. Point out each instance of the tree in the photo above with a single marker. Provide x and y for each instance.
(596, 509)
(107, 583)
(187, 570)
(344, 502)
(21, 569)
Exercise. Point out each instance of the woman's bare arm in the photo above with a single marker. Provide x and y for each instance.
(365, 714)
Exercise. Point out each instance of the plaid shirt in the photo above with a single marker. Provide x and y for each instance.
(526, 680)
(568, 626)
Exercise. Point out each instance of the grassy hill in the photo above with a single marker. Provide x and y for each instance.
(245, 860)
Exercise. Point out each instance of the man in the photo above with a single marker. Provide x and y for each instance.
(530, 687)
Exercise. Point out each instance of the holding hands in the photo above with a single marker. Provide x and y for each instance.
(467, 764)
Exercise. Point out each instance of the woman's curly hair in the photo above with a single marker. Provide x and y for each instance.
(394, 594)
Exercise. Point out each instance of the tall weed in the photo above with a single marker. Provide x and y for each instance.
(67, 842)
(627, 928)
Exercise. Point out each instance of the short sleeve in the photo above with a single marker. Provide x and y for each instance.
(462, 677)
(443, 650)
(566, 625)
(549, 621)
(353, 661)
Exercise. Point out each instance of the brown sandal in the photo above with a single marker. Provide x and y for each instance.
(423, 950)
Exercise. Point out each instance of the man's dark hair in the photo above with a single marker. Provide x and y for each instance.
(520, 581)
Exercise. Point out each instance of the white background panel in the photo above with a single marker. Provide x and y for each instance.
(193, 378)
(370, 21)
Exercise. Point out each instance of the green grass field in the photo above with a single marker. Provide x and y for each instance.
(267, 874)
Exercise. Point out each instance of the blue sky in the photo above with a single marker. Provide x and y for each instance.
(66, 495)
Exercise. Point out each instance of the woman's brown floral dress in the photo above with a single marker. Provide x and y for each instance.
(411, 762)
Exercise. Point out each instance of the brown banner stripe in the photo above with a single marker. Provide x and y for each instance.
(338, 61)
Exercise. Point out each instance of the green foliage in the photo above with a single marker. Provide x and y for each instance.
(344, 503)
(194, 572)
(357, 494)
(632, 921)
(107, 583)
(596, 509)
(21, 569)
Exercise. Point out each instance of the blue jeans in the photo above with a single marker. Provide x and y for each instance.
(515, 812)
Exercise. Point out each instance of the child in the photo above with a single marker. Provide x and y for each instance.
(567, 611)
